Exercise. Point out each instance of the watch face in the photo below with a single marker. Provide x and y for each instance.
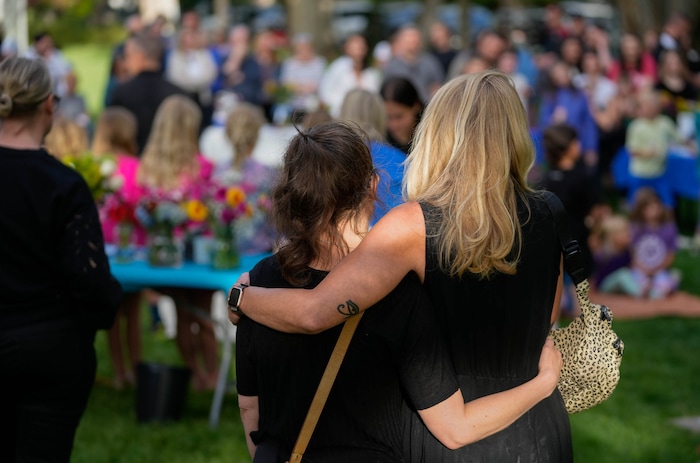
(234, 297)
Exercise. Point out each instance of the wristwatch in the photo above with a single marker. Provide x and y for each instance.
(234, 298)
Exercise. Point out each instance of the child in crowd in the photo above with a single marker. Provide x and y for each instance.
(66, 138)
(171, 163)
(654, 237)
(649, 136)
(610, 243)
(243, 124)
(115, 135)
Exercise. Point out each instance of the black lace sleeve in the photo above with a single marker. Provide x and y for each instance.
(91, 288)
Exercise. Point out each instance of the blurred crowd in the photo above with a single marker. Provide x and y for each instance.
(222, 93)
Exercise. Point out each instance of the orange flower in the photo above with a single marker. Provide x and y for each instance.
(234, 196)
(196, 210)
(248, 210)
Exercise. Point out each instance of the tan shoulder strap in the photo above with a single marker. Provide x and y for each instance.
(324, 388)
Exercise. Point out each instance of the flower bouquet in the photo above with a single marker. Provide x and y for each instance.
(121, 213)
(225, 206)
(162, 215)
(98, 173)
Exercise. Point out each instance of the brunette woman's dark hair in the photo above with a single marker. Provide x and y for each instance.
(642, 198)
(400, 90)
(327, 178)
(556, 140)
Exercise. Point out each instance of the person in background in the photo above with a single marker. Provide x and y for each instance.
(239, 70)
(575, 187)
(654, 238)
(350, 71)
(403, 107)
(322, 206)
(66, 138)
(146, 89)
(440, 45)
(117, 69)
(366, 109)
(303, 72)
(649, 137)
(486, 249)
(488, 48)
(410, 62)
(508, 64)
(73, 104)
(191, 67)
(243, 126)
(265, 53)
(565, 104)
(636, 64)
(171, 165)
(611, 242)
(45, 49)
(115, 135)
(571, 54)
(676, 88)
(56, 285)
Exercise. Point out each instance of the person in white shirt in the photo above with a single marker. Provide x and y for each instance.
(348, 72)
(302, 72)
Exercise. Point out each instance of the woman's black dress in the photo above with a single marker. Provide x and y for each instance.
(495, 330)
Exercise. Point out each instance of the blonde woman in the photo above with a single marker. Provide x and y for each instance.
(484, 246)
(66, 138)
(243, 125)
(55, 281)
(171, 163)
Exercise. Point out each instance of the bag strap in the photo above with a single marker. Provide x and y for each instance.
(573, 257)
(324, 388)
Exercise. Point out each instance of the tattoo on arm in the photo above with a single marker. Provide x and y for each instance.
(349, 308)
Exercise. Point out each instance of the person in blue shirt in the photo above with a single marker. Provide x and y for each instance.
(565, 104)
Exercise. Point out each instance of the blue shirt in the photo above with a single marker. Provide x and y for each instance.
(577, 115)
(389, 164)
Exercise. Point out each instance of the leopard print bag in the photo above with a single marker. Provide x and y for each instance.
(591, 351)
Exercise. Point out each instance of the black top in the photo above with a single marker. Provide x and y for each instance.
(394, 349)
(142, 95)
(52, 260)
(495, 330)
(579, 193)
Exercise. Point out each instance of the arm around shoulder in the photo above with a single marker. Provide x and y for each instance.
(394, 247)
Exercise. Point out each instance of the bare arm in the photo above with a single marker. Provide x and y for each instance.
(456, 424)
(250, 414)
(394, 247)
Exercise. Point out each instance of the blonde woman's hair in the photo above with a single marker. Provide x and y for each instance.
(242, 127)
(115, 132)
(24, 84)
(366, 109)
(172, 145)
(471, 154)
(66, 138)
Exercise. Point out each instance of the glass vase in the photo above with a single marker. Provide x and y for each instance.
(124, 239)
(225, 252)
(163, 248)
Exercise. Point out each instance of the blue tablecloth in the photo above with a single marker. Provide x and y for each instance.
(138, 274)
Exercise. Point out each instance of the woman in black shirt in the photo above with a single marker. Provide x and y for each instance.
(322, 206)
(55, 281)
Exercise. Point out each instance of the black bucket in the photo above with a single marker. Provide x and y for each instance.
(161, 391)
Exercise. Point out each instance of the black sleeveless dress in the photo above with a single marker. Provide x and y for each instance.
(495, 330)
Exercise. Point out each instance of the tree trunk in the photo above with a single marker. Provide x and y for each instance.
(429, 15)
(221, 10)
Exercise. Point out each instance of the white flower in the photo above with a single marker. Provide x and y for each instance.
(107, 167)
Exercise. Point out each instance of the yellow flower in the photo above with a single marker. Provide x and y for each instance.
(196, 210)
(248, 210)
(234, 196)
